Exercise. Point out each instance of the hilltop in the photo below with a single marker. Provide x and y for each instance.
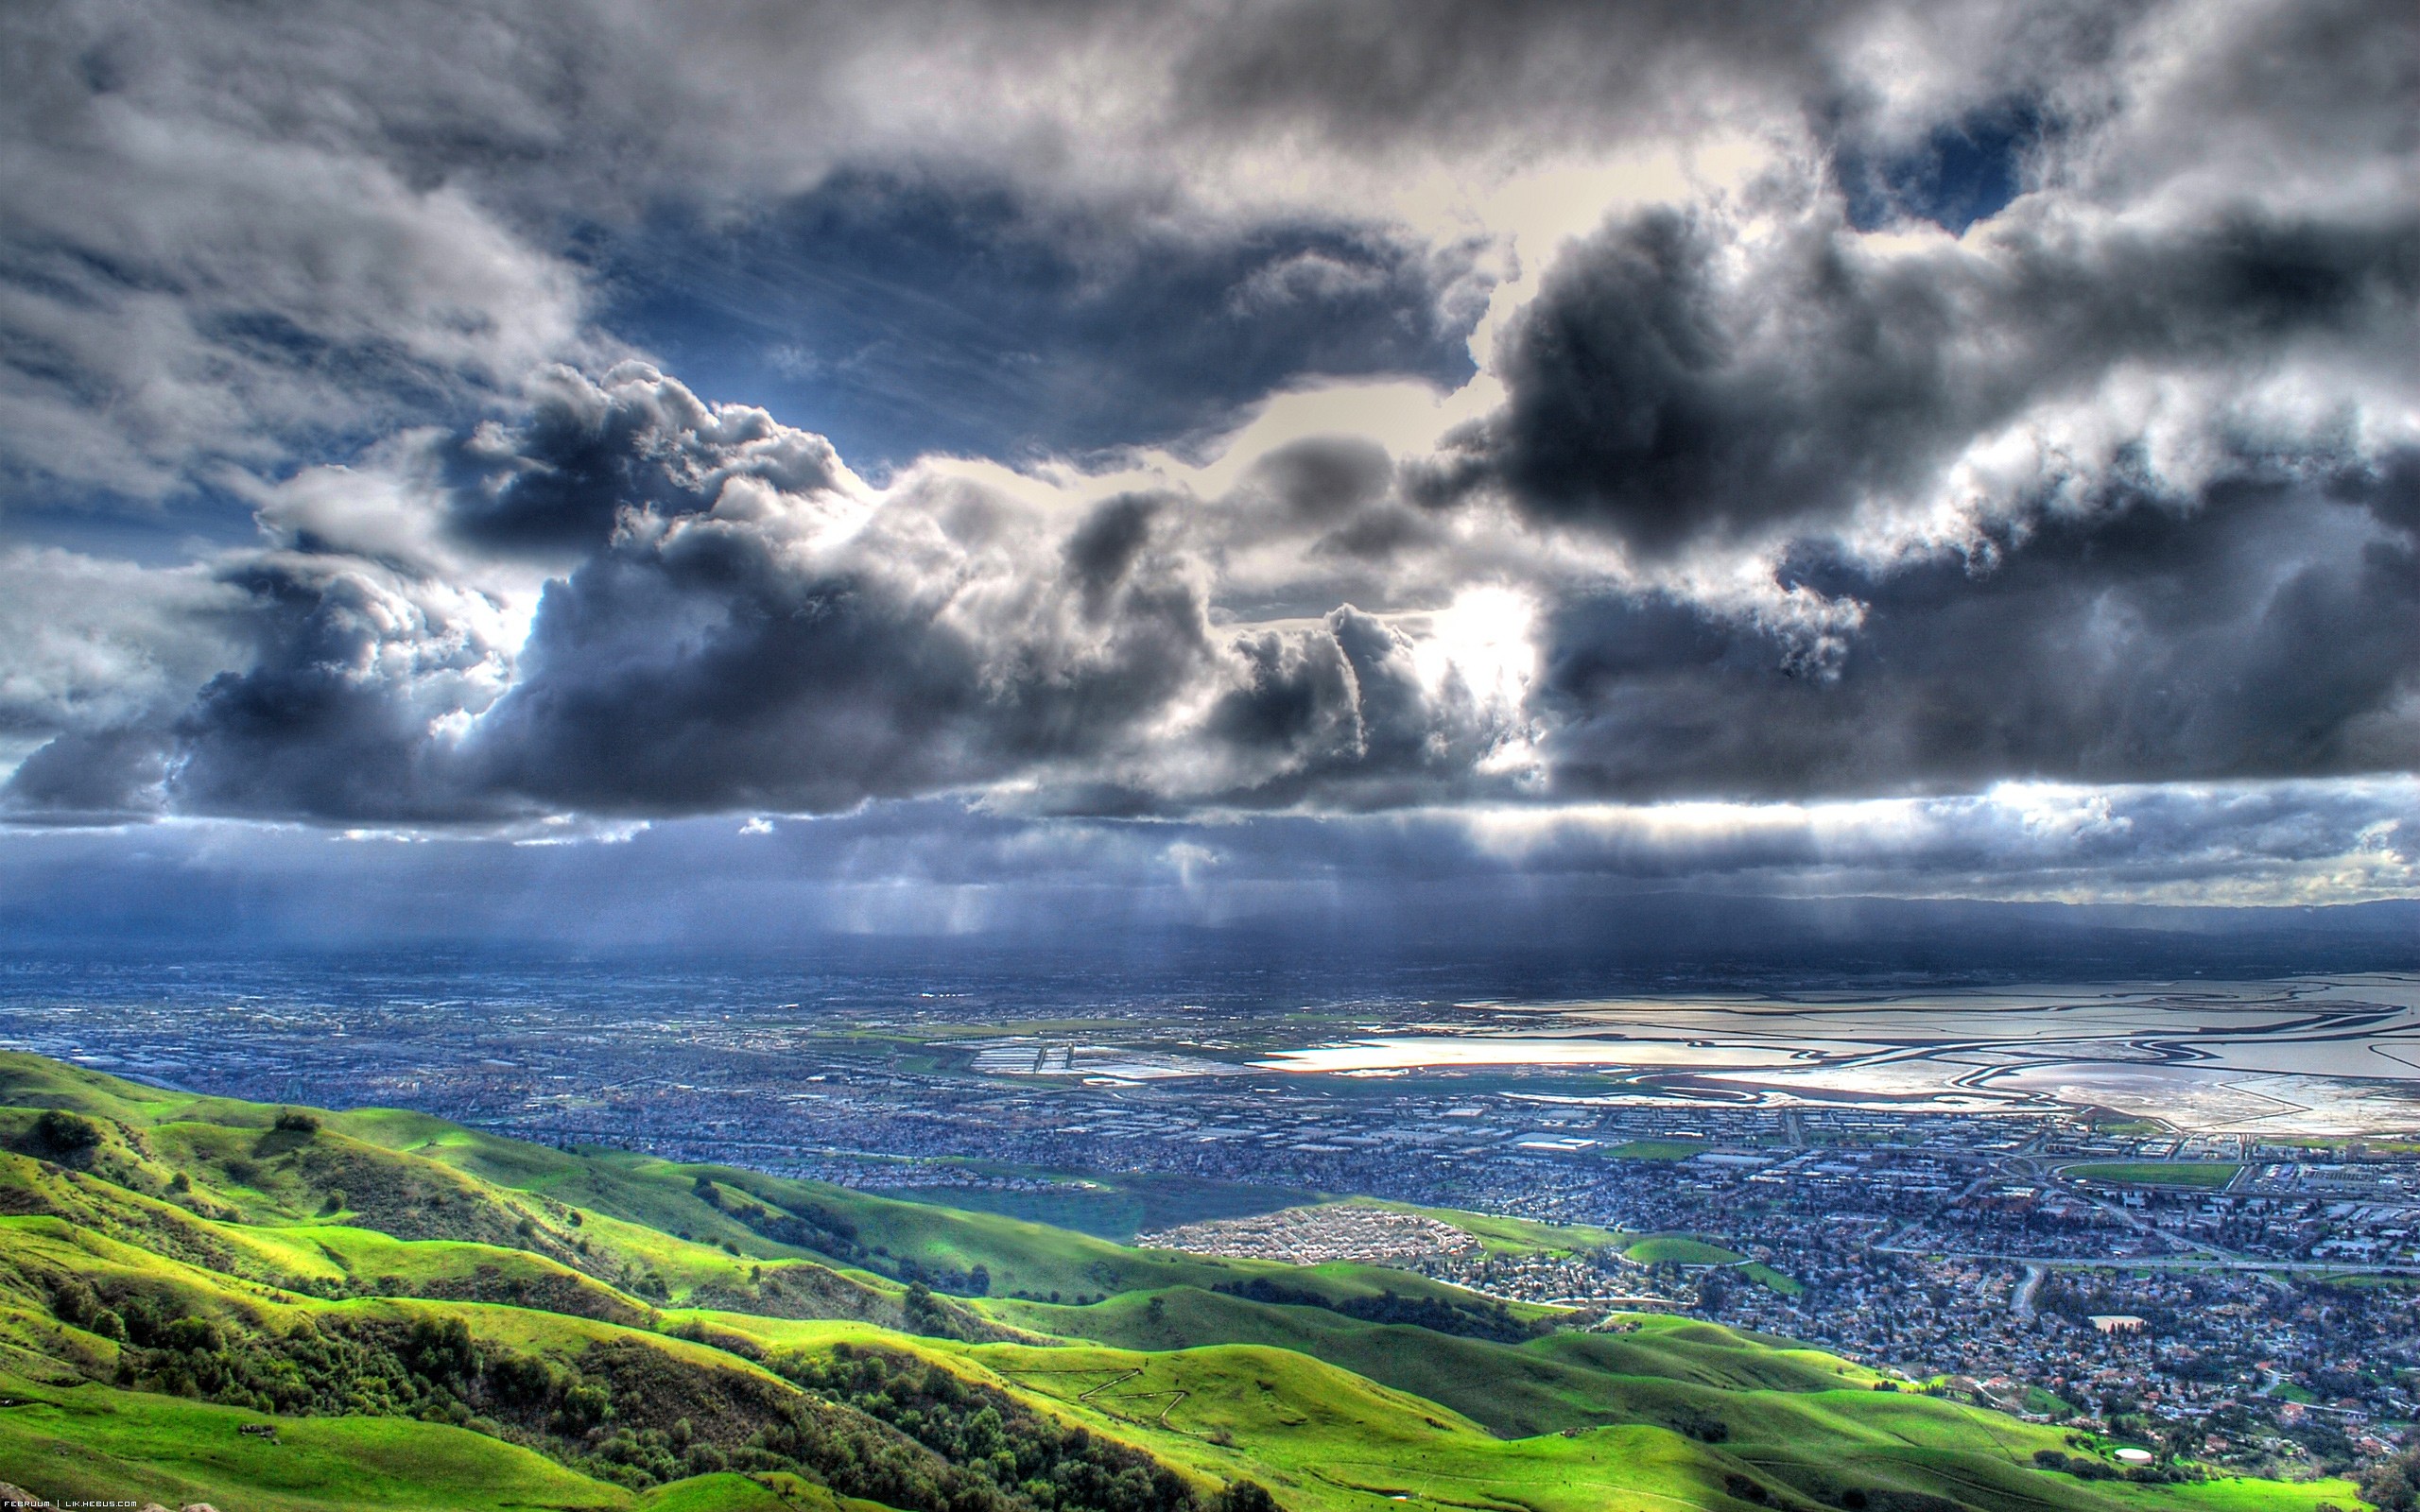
(289, 1308)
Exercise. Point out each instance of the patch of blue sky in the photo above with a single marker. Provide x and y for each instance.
(190, 523)
(1961, 172)
(900, 317)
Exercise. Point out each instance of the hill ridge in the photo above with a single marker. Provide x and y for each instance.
(426, 1315)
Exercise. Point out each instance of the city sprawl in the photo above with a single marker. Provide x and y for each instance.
(2241, 1293)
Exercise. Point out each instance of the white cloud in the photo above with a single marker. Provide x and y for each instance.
(87, 643)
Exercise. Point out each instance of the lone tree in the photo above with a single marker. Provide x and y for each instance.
(294, 1121)
(66, 1132)
(1244, 1496)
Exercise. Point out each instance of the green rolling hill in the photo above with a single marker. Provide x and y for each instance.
(266, 1308)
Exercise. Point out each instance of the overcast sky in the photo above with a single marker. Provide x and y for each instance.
(866, 463)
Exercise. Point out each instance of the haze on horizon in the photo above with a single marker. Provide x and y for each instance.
(607, 472)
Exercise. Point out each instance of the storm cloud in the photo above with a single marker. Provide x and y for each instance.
(749, 626)
(2262, 629)
(1671, 383)
(1212, 425)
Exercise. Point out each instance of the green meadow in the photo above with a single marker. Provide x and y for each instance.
(203, 1299)
(2203, 1173)
(1679, 1249)
(1656, 1149)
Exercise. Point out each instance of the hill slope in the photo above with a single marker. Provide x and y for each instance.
(202, 1298)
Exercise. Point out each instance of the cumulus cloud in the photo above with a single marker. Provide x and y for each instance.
(232, 236)
(745, 624)
(95, 655)
(2262, 629)
(742, 624)
(1933, 398)
(361, 674)
(1682, 376)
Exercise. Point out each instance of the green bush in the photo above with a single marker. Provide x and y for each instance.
(1029, 1459)
(2393, 1485)
(65, 1132)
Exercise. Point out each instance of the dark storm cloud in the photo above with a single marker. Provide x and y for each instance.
(1359, 725)
(231, 237)
(558, 481)
(746, 627)
(788, 642)
(1671, 383)
(90, 777)
(696, 669)
(332, 718)
(1802, 498)
(1338, 497)
(1372, 75)
(2264, 629)
(1325, 479)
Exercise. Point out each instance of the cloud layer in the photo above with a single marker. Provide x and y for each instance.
(1298, 409)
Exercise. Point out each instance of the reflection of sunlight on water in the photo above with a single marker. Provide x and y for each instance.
(1431, 1052)
(2309, 1056)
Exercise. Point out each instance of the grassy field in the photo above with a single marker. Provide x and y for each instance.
(1658, 1370)
(1656, 1149)
(2232, 1494)
(95, 1444)
(2132, 1127)
(2209, 1175)
(1678, 1249)
(625, 1332)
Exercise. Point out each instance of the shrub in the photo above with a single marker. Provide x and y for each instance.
(66, 1132)
(1243, 1496)
(2393, 1485)
(999, 1452)
(73, 1303)
(294, 1121)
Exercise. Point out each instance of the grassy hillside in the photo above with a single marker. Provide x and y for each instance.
(874, 1239)
(205, 1299)
(94, 1444)
(1679, 1249)
(1663, 1371)
(1109, 1207)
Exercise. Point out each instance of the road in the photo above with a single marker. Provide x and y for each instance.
(2152, 1263)
(2022, 1303)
